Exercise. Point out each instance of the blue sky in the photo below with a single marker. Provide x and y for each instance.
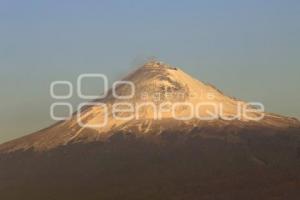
(248, 49)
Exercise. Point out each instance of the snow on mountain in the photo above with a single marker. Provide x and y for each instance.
(147, 106)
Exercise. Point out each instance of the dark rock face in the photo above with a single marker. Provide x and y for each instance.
(245, 164)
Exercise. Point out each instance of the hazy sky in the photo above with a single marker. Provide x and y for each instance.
(250, 50)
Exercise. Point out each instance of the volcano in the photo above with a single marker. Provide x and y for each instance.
(157, 134)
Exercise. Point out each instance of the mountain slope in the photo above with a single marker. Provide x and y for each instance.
(156, 83)
(157, 157)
